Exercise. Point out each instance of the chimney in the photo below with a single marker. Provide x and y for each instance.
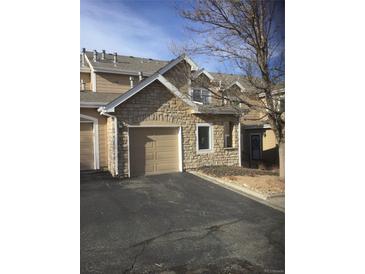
(131, 81)
(103, 54)
(140, 75)
(82, 84)
(115, 58)
(95, 55)
(83, 57)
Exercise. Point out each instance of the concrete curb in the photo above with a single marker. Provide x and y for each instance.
(277, 195)
(241, 190)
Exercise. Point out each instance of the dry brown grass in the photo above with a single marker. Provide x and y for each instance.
(265, 184)
(223, 171)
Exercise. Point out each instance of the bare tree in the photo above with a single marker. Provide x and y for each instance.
(244, 32)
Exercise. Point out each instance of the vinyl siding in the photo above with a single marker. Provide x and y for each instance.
(103, 147)
(113, 83)
(87, 79)
(269, 147)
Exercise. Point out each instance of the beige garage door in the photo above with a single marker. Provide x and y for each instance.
(153, 150)
(86, 146)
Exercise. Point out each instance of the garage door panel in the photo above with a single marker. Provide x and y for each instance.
(153, 150)
(86, 146)
(149, 168)
(167, 167)
(148, 144)
(166, 155)
(166, 144)
(165, 148)
(150, 156)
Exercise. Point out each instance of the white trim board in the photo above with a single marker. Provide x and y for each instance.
(206, 73)
(173, 63)
(115, 125)
(180, 144)
(92, 74)
(95, 137)
(91, 104)
(238, 84)
(239, 144)
(116, 163)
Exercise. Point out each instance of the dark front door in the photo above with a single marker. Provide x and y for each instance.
(255, 144)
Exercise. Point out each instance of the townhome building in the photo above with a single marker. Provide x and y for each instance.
(141, 116)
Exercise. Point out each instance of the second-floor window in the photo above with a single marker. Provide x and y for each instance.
(201, 95)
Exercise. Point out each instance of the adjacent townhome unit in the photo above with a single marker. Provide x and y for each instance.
(141, 116)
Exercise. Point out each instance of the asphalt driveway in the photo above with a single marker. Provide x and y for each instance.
(176, 222)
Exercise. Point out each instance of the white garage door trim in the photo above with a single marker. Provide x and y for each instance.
(95, 135)
(158, 126)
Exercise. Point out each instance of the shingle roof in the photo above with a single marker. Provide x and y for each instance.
(148, 67)
(126, 63)
(228, 79)
(99, 98)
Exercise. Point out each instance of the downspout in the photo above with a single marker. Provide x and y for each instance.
(239, 143)
(115, 139)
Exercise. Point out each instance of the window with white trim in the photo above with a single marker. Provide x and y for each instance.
(201, 95)
(204, 137)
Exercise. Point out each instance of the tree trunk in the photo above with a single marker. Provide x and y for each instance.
(282, 160)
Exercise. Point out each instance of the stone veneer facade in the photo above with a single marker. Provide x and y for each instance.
(111, 145)
(157, 105)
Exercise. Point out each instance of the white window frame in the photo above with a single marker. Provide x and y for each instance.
(201, 90)
(211, 138)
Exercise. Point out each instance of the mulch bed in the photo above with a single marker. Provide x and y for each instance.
(223, 171)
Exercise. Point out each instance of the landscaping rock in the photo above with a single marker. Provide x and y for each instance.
(224, 171)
